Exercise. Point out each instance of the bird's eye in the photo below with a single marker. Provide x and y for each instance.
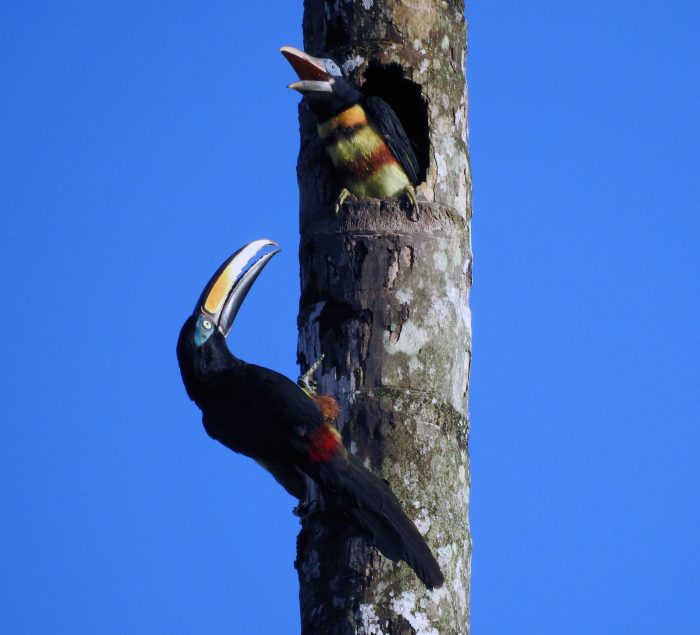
(206, 324)
(333, 68)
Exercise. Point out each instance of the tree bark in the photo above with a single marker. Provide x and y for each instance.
(385, 298)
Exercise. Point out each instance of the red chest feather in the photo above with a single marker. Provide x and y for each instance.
(323, 443)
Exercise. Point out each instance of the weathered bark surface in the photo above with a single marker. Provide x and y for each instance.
(386, 300)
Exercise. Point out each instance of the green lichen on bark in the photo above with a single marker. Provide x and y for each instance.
(386, 300)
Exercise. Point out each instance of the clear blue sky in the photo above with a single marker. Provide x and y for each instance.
(136, 141)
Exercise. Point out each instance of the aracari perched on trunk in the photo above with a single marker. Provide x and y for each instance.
(364, 138)
(286, 427)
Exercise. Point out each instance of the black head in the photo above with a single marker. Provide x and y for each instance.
(201, 346)
(322, 82)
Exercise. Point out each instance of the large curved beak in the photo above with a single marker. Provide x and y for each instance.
(311, 71)
(228, 287)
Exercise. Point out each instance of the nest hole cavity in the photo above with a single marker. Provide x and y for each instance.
(406, 100)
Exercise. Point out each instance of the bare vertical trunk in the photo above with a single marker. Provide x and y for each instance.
(386, 299)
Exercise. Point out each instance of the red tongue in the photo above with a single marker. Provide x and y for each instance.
(305, 69)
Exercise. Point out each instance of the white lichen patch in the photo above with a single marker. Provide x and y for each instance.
(438, 595)
(441, 312)
(459, 385)
(462, 474)
(425, 431)
(404, 296)
(445, 555)
(368, 4)
(413, 338)
(445, 43)
(415, 365)
(441, 166)
(424, 65)
(423, 523)
(367, 620)
(392, 272)
(405, 606)
(466, 314)
(418, 45)
(440, 260)
(407, 476)
(454, 295)
(461, 124)
(460, 591)
(353, 63)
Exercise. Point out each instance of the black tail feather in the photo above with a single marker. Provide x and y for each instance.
(370, 501)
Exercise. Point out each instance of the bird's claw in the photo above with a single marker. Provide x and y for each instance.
(413, 208)
(306, 381)
(342, 197)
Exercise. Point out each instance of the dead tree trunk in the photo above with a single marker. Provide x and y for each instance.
(386, 300)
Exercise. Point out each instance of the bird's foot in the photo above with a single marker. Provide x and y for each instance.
(306, 381)
(410, 193)
(342, 197)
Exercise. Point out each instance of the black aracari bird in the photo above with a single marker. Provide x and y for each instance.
(288, 429)
(372, 155)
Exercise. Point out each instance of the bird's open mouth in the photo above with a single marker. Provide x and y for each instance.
(306, 66)
(311, 71)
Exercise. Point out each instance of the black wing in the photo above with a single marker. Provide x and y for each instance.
(393, 133)
(260, 413)
(284, 402)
